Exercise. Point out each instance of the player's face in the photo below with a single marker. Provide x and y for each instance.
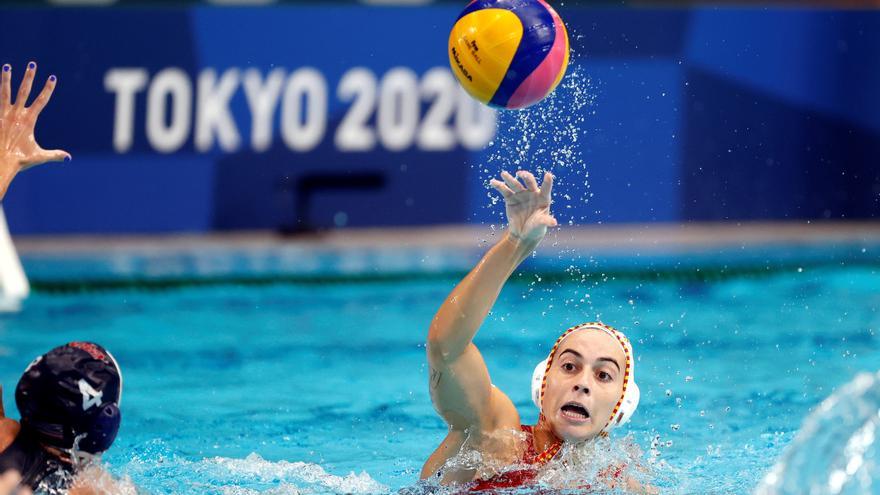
(584, 384)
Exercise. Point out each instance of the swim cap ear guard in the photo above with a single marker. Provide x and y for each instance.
(69, 398)
(629, 401)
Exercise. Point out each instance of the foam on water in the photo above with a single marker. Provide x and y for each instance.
(255, 469)
(598, 464)
(100, 482)
(603, 463)
(235, 476)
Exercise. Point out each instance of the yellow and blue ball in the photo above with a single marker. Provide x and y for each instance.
(508, 53)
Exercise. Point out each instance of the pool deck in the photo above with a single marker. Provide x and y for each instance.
(636, 237)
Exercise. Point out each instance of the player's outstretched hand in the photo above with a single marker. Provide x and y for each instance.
(528, 207)
(18, 147)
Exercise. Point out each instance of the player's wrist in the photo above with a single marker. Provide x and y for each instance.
(523, 246)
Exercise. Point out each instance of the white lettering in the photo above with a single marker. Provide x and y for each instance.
(439, 87)
(91, 397)
(262, 97)
(125, 83)
(174, 83)
(304, 110)
(475, 123)
(387, 111)
(359, 86)
(398, 114)
(212, 110)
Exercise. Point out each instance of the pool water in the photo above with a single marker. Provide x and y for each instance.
(322, 388)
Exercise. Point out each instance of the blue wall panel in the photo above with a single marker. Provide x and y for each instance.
(102, 193)
(696, 114)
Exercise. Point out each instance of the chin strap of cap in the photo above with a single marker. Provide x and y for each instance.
(629, 399)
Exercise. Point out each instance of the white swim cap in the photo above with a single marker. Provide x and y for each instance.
(629, 399)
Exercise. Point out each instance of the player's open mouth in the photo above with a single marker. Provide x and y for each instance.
(576, 412)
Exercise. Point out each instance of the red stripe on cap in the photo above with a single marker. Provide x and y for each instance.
(90, 348)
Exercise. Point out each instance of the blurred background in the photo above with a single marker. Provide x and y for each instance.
(291, 117)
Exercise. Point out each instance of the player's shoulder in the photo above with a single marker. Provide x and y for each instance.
(9, 429)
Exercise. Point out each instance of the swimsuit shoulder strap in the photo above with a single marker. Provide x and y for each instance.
(531, 455)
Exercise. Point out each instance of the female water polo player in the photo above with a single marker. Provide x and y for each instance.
(69, 401)
(69, 397)
(583, 389)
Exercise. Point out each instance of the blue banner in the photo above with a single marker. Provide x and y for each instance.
(298, 117)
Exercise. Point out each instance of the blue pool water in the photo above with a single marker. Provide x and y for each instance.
(303, 387)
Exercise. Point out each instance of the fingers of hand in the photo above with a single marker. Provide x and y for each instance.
(501, 188)
(547, 186)
(529, 179)
(55, 155)
(44, 156)
(44, 96)
(5, 85)
(25, 89)
(512, 183)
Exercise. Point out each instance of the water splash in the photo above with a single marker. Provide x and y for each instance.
(255, 469)
(602, 465)
(235, 476)
(96, 480)
(835, 452)
(549, 136)
(544, 137)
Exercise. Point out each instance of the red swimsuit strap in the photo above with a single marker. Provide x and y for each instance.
(531, 456)
(526, 476)
(519, 477)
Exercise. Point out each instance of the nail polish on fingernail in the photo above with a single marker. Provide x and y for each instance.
(6, 68)
(31, 65)
(52, 78)
(66, 158)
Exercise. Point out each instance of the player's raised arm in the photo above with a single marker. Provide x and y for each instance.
(459, 381)
(18, 147)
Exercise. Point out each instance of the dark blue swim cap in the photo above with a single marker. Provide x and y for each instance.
(71, 395)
